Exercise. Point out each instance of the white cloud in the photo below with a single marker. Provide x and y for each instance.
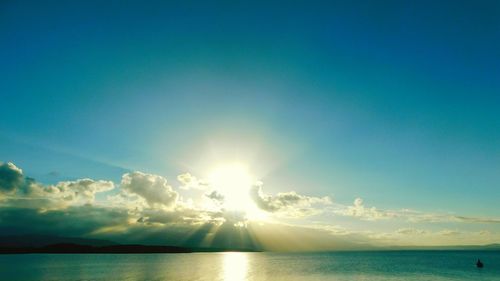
(189, 181)
(79, 191)
(287, 203)
(26, 192)
(153, 188)
(359, 210)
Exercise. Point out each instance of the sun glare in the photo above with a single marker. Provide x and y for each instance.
(234, 181)
(235, 266)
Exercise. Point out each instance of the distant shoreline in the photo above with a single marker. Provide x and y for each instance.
(46, 244)
(146, 249)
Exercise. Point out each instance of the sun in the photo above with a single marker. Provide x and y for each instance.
(234, 181)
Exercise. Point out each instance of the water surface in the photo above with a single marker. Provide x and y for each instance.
(372, 266)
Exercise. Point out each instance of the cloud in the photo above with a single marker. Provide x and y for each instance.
(70, 221)
(11, 178)
(476, 219)
(359, 210)
(189, 181)
(448, 232)
(53, 174)
(79, 191)
(484, 232)
(288, 203)
(153, 188)
(424, 217)
(179, 215)
(215, 196)
(411, 231)
(26, 192)
(144, 208)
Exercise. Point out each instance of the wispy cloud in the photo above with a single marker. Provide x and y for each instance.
(288, 203)
(359, 210)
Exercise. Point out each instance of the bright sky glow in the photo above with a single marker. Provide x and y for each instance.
(234, 181)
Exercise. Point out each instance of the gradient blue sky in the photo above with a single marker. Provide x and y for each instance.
(396, 102)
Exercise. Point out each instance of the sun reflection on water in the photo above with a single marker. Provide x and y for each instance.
(235, 266)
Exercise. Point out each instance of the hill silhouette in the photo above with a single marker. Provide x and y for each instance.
(37, 240)
(88, 249)
(45, 244)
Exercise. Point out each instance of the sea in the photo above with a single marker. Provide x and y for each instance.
(239, 266)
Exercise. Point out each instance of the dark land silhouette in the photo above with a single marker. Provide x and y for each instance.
(88, 249)
(44, 244)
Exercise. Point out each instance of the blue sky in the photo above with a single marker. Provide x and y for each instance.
(394, 102)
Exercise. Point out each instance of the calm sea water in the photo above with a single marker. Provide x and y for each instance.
(372, 266)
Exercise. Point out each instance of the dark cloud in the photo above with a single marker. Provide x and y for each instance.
(215, 196)
(53, 174)
(11, 178)
(71, 221)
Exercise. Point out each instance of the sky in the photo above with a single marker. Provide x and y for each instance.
(342, 124)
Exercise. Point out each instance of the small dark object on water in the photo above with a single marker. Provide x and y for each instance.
(479, 264)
